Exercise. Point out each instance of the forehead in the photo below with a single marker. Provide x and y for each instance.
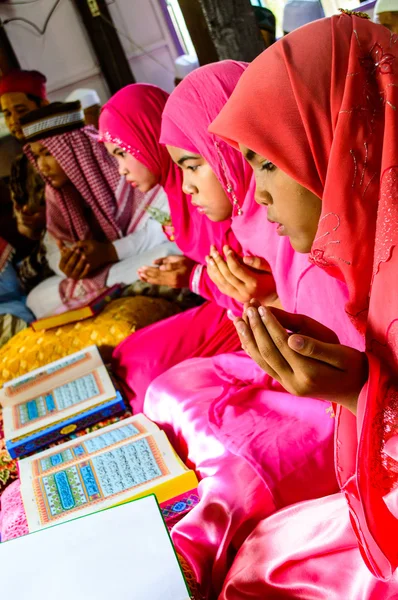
(37, 147)
(179, 153)
(12, 99)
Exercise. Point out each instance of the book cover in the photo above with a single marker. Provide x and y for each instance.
(79, 314)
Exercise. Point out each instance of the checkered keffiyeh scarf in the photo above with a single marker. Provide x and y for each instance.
(95, 184)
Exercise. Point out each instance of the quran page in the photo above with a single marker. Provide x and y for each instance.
(59, 402)
(43, 379)
(123, 553)
(82, 477)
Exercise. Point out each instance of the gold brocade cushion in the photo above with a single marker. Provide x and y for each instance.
(29, 350)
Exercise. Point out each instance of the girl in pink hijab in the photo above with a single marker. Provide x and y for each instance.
(130, 127)
(332, 187)
(255, 447)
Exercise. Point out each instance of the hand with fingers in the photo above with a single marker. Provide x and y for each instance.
(73, 263)
(97, 254)
(241, 279)
(173, 271)
(308, 362)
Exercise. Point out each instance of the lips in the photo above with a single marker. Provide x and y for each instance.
(132, 183)
(280, 229)
(201, 209)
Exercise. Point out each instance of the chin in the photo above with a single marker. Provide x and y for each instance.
(145, 187)
(303, 246)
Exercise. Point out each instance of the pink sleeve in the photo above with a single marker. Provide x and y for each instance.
(368, 471)
(201, 284)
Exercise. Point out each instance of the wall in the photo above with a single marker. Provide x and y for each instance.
(64, 52)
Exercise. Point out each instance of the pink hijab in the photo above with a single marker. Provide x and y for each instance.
(202, 95)
(131, 119)
(327, 114)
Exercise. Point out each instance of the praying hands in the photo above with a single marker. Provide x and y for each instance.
(173, 271)
(309, 362)
(84, 257)
(242, 279)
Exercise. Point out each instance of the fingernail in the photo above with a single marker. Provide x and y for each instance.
(248, 260)
(262, 311)
(297, 342)
(214, 253)
(241, 328)
(251, 313)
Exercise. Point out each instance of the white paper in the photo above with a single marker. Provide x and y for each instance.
(123, 553)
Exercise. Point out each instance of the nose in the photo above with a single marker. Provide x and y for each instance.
(188, 187)
(42, 164)
(123, 171)
(12, 120)
(261, 196)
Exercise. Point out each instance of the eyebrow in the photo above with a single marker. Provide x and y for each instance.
(188, 157)
(250, 154)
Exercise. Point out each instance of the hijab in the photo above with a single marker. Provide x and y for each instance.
(131, 119)
(326, 114)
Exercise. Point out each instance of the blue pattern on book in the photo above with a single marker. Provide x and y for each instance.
(63, 491)
(66, 395)
(55, 459)
(34, 409)
(109, 473)
(50, 402)
(89, 480)
(33, 412)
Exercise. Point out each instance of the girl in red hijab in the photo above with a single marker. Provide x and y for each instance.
(320, 133)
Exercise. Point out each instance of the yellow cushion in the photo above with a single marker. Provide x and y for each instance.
(29, 350)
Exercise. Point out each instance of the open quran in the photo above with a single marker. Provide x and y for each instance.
(110, 466)
(50, 403)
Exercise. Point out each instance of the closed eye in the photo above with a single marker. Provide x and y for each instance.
(267, 166)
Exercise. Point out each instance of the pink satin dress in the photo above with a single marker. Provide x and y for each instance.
(255, 447)
(309, 551)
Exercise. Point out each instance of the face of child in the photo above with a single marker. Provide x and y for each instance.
(137, 174)
(294, 209)
(201, 183)
(48, 165)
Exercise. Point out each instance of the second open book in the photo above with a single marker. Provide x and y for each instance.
(110, 466)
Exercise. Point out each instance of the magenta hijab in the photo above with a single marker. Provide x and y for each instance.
(189, 111)
(131, 119)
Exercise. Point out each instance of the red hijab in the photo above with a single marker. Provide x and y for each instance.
(322, 104)
(131, 119)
